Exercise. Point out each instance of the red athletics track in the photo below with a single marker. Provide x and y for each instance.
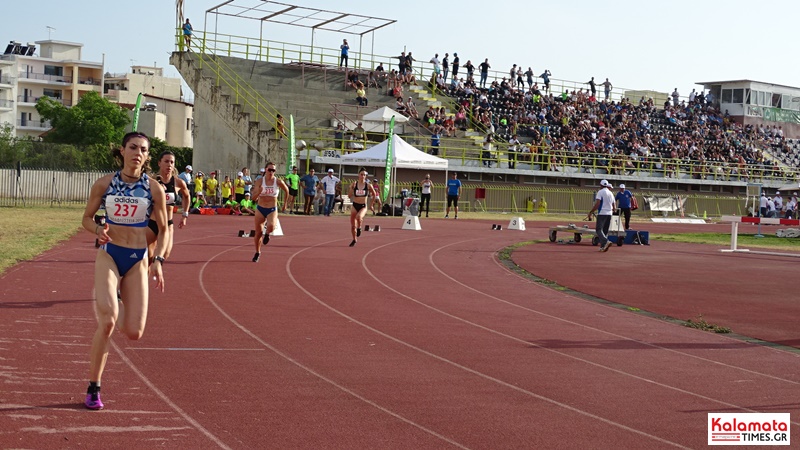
(409, 340)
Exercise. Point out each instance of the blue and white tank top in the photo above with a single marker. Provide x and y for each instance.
(128, 204)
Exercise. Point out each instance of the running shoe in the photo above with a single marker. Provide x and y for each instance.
(606, 247)
(358, 232)
(256, 256)
(265, 239)
(352, 244)
(93, 401)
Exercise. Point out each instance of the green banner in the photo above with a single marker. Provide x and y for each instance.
(135, 126)
(291, 158)
(387, 176)
(781, 115)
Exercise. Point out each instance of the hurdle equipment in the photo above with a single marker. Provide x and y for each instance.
(411, 223)
(247, 235)
(516, 223)
(736, 220)
(277, 231)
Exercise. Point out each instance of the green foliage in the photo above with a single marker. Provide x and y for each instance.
(183, 155)
(92, 121)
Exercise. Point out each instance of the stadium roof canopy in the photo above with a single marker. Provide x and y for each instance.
(300, 16)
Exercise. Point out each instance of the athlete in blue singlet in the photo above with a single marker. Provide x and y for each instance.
(130, 198)
(266, 192)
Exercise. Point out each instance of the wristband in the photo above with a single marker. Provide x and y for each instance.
(185, 214)
(159, 259)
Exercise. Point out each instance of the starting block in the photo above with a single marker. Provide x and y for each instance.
(247, 235)
(411, 223)
(373, 228)
(497, 227)
(517, 223)
(277, 231)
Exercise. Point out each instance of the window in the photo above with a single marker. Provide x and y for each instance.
(776, 100)
(738, 96)
(761, 96)
(54, 70)
(726, 95)
(52, 93)
(188, 124)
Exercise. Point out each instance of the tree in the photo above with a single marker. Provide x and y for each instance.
(92, 121)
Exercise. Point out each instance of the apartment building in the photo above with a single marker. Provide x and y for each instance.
(164, 114)
(46, 68)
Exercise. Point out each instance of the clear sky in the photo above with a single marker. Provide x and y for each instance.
(637, 44)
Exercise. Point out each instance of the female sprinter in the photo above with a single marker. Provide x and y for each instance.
(173, 186)
(130, 198)
(266, 195)
(360, 190)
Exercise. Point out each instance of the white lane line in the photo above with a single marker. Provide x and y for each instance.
(297, 363)
(190, 349)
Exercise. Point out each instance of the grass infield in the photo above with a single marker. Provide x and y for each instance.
(27, 232)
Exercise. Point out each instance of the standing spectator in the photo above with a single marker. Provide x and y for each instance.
(607, 86)
(187, 178)
(675, 97)
(470, 70)
(762, 205)
(436, 64)
(512, 75)
(360, 191)
(455, 65)
(309, 185)
(226, 188)
(238, 187)
(770, 207)
(425, 204)
(529, 75)
(513, 146)
(211, 189)
(484, 67)
(592, 87)
(329, 183)
(248, 182)
(435, 137)
(401, 64)
(778, 201)
(623, 199)
(692, 96)
(486, 154)
(453, 194)
(198, 183)
(445, 65)
(266, 193)
(545, 76)
(604, 205)
(345, 50)
(187, 34)
(294, 184)
(520, 82)
(376, 200)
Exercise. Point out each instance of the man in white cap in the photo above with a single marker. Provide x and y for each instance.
(762, 205)
(604, 205)
(328, 184)
(623, 199)
(187, 178)
(778, 203)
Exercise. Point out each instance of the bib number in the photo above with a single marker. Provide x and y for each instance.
(126, 210)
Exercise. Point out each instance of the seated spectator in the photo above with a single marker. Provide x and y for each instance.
(400, 106)
(352, 79)
(199, 202)
(411, 108)
(372, 80)
(361, 95)
(247, 206)
(233, 205)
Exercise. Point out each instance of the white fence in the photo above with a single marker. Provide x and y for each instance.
(44, 187)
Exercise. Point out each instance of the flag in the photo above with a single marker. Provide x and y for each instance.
(387, 176)
(136, 113)
(291, 158)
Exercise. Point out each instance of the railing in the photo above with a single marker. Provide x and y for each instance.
(6, 103)
(58, 188)
(7, 79)
(32, 99)
(44, 77)
(91, 81)
(37, 124)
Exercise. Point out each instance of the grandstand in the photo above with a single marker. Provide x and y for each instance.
(568, 138)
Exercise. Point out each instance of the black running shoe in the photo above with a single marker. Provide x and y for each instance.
(358, 232)
(265, 239)
(352, 244)
(256, 256)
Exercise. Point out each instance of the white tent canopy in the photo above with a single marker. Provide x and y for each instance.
(405, 157)
(385, 114)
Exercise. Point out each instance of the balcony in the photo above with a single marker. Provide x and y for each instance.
(60, 79)
(31, 100)
(6, 81)
(33, 124)
(6, 104)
